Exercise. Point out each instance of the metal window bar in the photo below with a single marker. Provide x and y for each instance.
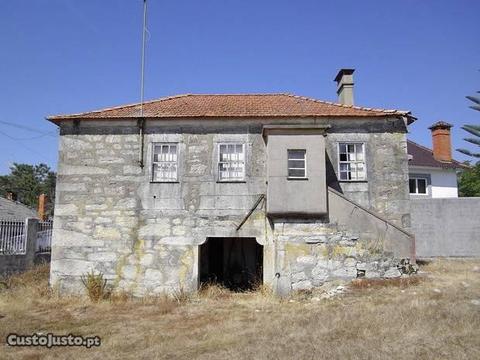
(12, 237)
(44, 236)
(165, 159)
(231, 162)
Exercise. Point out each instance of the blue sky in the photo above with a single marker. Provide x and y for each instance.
(64, 56)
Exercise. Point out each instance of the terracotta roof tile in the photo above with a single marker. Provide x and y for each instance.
(423, 156)
(234, 105)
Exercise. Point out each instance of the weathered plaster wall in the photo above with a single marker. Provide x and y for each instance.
(446, 227)
(307, 197)
(144, 236)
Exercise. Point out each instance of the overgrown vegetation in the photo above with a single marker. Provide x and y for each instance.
(95, 285)
(432, 315)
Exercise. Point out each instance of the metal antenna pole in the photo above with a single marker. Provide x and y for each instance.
(141, 121)
(142, 86)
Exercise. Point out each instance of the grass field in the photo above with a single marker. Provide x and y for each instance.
(435, 315)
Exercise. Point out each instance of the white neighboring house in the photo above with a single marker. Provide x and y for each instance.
(433, 173)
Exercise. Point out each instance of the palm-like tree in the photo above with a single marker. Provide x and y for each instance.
(472, 129)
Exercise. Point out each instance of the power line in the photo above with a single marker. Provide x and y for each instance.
(36, 152)
(23, 127)
(24, 139)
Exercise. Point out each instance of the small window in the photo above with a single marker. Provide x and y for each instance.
(418, 186)
(351, 161)
(165, 162)
(231, 162)
(297, 164)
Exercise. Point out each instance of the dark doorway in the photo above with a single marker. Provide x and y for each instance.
(236, 263)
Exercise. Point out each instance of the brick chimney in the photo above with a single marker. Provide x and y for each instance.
(42, 201)
(442, 146)
(344, 81)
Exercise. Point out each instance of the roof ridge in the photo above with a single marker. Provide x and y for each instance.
(239, 94)
(348, 106)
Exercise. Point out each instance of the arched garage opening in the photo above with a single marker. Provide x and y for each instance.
(234, 262)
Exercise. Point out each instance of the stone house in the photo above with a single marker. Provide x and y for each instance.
(237, 189)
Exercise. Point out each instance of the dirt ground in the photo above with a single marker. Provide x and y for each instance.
(434, 315)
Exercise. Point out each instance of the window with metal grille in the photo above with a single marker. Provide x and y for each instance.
(231, 162)
(165, 162)
(297, 163)
(351, 161)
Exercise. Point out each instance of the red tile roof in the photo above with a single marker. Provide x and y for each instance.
(234, 105)
(423, 156)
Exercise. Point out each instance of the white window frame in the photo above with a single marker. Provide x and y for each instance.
(304, 161)
(364, 161)
(161, 144)
(219, 162)
(416, 178)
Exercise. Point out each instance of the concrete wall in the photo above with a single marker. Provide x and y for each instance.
(376, 233)
(295, 197)
(144, 236)
(446, 227)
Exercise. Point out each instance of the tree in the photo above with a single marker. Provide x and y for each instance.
(472, 129)
(27, 182)
(469, 181)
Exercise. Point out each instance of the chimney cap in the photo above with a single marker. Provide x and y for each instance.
(343, 72)
(441, 125)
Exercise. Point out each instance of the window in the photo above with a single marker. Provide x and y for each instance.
(297, 164)
(165, 162)
(231, 162)
(418, 186)
(351, 159)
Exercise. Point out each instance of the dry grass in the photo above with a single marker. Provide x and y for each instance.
(428, 317)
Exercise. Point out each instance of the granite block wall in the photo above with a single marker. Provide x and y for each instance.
(144, 236)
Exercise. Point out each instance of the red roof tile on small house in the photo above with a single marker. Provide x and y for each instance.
(234, 105)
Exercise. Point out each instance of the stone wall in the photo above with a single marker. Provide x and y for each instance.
(144, 236)
(311, 253)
